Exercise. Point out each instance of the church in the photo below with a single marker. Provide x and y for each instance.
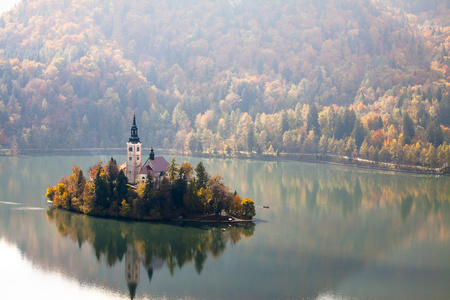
(155, 166)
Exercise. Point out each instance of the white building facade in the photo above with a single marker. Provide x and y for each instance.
(134, 155)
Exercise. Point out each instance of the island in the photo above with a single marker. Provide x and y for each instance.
(155, 191)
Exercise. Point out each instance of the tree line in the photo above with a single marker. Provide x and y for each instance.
(241, 77)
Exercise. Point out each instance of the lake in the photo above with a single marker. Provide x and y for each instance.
(331, 232)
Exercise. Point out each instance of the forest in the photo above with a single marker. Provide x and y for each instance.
(180, 195)
(361, 78)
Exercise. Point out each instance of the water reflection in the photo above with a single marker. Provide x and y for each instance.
(330, 232)
(149, 246)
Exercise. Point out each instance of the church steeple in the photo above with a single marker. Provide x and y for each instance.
(152, 154)
(134, 138)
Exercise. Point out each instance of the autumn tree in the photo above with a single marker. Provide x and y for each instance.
(248, 209)
(221, 195)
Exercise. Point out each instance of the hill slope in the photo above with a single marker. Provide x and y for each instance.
(238, 74)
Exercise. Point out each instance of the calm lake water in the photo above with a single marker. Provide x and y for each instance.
(331, 232)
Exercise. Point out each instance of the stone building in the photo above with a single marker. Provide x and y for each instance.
(135, 171)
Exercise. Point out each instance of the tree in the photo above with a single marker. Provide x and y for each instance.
(248, 209)
(148, 188)
(221, 195)
(312, 120)
(379, 124)
(101, 191)
(431, 156)
(284, 124)
(112, 169)
(77, 181)
(349, 119)
(172, 170)
(323, 145)
(185, 170)
(433, 134)
(201, 176)
(408, 128)
(358, 133)
(122, 182)
(125, 209)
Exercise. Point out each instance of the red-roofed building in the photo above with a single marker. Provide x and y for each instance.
(136, 173)
(156, 166)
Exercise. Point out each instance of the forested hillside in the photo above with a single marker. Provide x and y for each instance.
(364, 78)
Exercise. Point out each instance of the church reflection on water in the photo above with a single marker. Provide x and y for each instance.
(148, 245)
(133, 262)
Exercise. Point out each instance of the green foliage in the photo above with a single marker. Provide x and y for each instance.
(201, 176)
(108, 194)
(408, 128)
(172, 169)
(312, 120)
(358, 133)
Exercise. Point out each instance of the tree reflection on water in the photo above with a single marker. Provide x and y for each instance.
(150, 246)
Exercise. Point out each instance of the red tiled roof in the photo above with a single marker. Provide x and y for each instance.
(145, 170)
(158, 165)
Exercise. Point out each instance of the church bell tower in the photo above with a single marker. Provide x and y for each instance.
(134, 157)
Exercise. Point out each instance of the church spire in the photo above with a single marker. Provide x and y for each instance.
(134, 138)
(152, 154)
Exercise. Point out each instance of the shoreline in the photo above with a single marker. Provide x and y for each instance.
(301, 157)
(235, 220)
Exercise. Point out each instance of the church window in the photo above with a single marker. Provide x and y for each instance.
(130, 158)
(130, 149)
(143, 177)
(138, 158)
(137, 149)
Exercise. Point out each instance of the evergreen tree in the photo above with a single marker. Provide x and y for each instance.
(408, 128)
(434, 134)
(312, 122)
(148, 189)
(112, 169)
(349, 121)
(284, 124)
(122, 188)
(358, 133)
(101, 191)
(379, 123)
(173, 169)
(201, 176)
